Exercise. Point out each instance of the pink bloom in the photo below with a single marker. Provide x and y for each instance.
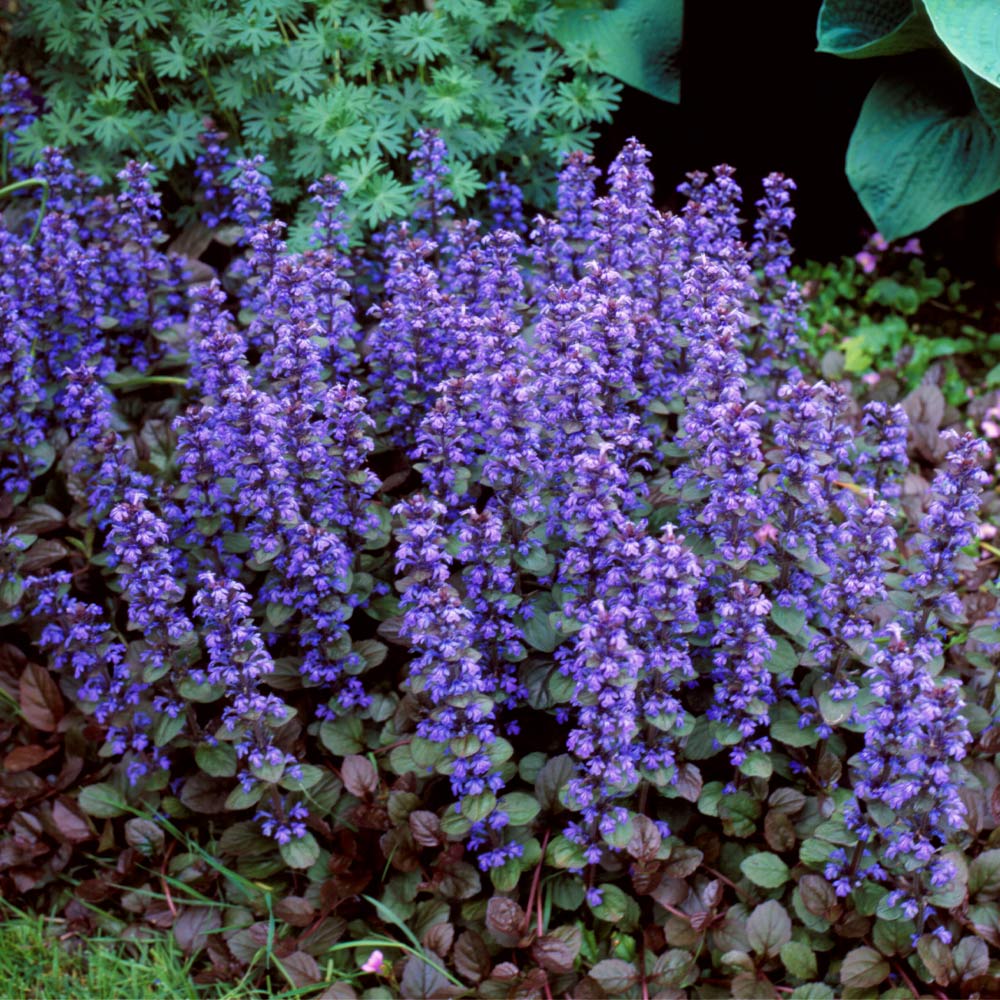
(878, 241)
(912, 245)
(374, 963)
(871, 378)
(987, 530)
(991, 429)
(766, 533)
(867, 261)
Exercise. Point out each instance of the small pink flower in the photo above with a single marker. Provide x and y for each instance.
(871, 378)
(991, 429)
(867, 261)
(766, 533)
(987, 531)
(374, 963)
(878, 241)
(912, 245)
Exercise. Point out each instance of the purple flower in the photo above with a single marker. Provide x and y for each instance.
(210, 166)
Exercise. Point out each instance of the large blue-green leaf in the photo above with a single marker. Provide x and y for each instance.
(637, 41)
(859, 29)
(921, 147)
(971, 31)
(986, 96)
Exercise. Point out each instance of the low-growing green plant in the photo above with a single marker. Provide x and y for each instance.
(885, 313)
(334, 86)
(534, 630)
(928, 136)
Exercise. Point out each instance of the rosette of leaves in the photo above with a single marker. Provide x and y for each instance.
(928, 136)
(333, 87)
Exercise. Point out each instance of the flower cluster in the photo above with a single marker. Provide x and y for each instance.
(570, 471)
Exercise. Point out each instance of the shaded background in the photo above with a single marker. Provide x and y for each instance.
(756, 94)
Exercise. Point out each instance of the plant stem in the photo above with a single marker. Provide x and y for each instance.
(21, 185)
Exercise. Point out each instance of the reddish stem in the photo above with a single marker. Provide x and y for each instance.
(163, 879)
(535, 879)
(909, 982)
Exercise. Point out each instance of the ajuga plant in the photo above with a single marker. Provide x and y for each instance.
(541, 611)
(314, 87)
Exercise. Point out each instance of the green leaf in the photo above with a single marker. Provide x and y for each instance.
(769, 928)
(554, 775)
(342, 736)
(300, 853)
(757, 765)
(310, 776)
(166, 728)
(455, 825)
(893, 937)
(613, 905)
(971, 32)
(812, 991)
(921, 147)
(636, 41)
(784, 659)
(218, 761)
(984, 873)
(858, 29)
(172, 60)
(277, 614)
(799, 959)
(863, 968)
(953, 892)
(766, 870)
(616, 976)
(971, 957)
(102, 801)
(936, 955)
(785, 728)
(420, 37)
(520, 808)
(790, 620)
(539, 633)
(563, 853)
(834, 712)
(506, 876)
(476, 808)
(201, 693)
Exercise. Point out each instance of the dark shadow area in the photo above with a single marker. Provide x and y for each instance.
(756, 94)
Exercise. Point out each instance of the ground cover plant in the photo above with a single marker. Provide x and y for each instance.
(314, 87)
(889, 315)
(500, 615)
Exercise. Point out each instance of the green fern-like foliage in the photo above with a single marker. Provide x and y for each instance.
(327, 86)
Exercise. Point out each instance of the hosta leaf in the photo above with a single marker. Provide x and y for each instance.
(637, 41)
(856, 29)
(971, 32)
(921, 147)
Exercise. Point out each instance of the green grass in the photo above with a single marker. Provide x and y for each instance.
(36, 963)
